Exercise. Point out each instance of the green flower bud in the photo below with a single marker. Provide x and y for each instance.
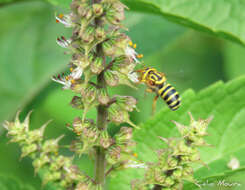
(28, 149)
(111, 78)
(114, 154)
(114, 16)
(195, 156)
(89, 14)
(36, 135)
(89, 95)
(60, 162)
(177, 173)
(124, 64)
(90, 134)
(78, 125)
(103, 97)
(200, 127)
(118, 115)
(109, 48)
(83, 9)
(51, 177)
(97, 9)
(158, 177)
(40, 162)
(18, 138)
(169, 181)
(82, 186)
(16, 127)
(126, 102)
(51, 146)
(124, 79)
(77, 103)
(87, 35)
(187, 171)
(172, 162)
(124, 134)
(177, 186)
(105, 140)
(100, 33)
(97, 65)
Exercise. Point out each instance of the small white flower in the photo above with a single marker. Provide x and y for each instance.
(233, 163)
(77, 73)
(133, 76)
(66, 81)
(134, 164)
(131, 53)
(63, 42)
(64, 19)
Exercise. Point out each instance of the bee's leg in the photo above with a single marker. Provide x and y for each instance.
(148, 90)
(154, 104)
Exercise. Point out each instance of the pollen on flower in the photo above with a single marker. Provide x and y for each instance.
(73, 81)
(60, 16)
(130, 43)
(135, 46)
(140, 56)
(135, 155)
(71, 69)
(64, 19)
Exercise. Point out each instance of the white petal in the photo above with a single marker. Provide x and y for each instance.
(77, 73)
(133, 77)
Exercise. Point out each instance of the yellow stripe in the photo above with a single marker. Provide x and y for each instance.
(165, 93)
(146, 73)
(171, 96)
(161, 81)
(163, 88)
(176, 106)
(173, 103)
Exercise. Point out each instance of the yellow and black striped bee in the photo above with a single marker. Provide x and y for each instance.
(157, 82)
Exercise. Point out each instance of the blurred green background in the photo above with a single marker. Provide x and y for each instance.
(29, 56)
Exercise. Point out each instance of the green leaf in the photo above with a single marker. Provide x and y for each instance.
(9, 183)
(62, 3)
(234, 58)
(223, 101)
(221, 18)
(230, 180)
(29, 55)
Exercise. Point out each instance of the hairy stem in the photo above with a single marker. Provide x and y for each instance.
(100, 161)
(157, 187)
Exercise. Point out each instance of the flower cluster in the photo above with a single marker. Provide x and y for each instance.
(174, 162)
(45, 154)
(102, 56)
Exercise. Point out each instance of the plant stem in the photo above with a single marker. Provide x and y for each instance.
(100, 161)
(157, 187)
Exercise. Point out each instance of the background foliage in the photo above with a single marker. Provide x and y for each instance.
(196, 43)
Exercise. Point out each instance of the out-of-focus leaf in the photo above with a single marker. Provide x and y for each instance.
(62, 3)
(230, 180)
(221, 18)
(28, 53)
(9, 183)
(225, 103)
(234, 58)
(151, 32)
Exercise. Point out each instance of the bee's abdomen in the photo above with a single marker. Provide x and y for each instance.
(170, 96)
